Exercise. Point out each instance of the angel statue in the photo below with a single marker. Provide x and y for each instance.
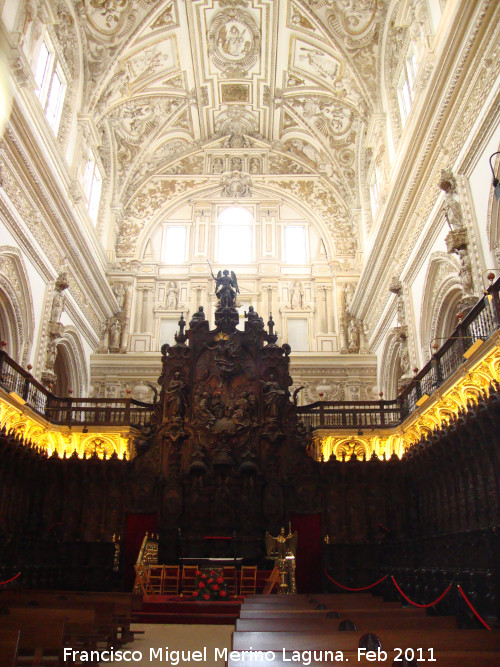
(226, 288)
(283, 550)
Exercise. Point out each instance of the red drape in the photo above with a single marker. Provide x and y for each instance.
(308, 559)
(136, 527)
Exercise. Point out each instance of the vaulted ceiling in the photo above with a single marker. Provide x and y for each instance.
(164, 80)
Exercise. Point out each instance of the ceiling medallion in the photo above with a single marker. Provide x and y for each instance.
(234, 42)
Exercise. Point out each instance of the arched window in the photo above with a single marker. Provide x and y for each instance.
(235, 236)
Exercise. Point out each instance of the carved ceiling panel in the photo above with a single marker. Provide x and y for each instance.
(164, 81)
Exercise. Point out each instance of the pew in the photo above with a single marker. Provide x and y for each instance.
(113, 610)
(331, 601)
(363, 621)
(436, 639)
(407, 612)
(9, 641)
(39, 642)
(448, 659)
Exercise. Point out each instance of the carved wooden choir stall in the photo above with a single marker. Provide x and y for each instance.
(225, 443)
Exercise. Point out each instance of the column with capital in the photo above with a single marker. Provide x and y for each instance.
(139, 299)
(323, 309)
(147, 309)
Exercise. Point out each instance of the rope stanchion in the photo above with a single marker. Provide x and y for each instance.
(469, 604)
(416, 604)
(2, 583)
(363, 588)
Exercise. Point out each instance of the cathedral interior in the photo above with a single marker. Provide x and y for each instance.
(248, 279)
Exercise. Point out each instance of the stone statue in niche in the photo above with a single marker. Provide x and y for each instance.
(217, 165)
(172, 296)
(404, 356)
(226, 288)
(59, 298)
(254, 166)
(119, 291)
(297, 296)
(57, 306)
(349, 290)
(50, 356)
(353, 336)
(465, 272)
(115, 330)
(452, 208)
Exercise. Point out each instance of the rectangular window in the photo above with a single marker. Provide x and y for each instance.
(50, 83)
(235, 244)
(168, 329)
(295, 245)
(297, 335)
(375, 190)
(174, 245)
(88, 175)
(95, 195)
(55, 100)
(42, 71)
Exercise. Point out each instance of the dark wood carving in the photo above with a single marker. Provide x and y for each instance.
(227, 442)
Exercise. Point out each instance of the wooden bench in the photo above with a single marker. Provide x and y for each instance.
(39, 642)
(448, 659)
(113, 610)
(9, 641)
(366, 622)
(407, 612)
(436, 639)
(338, 602)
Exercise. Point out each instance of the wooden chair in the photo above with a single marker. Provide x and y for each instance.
(154, 579)
(229, 574)
(171, 575)
(188, 578)
(248, 579)
(272, 581)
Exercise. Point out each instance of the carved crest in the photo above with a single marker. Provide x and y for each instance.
(234, 42)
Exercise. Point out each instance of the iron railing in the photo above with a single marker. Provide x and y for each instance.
(84, 411)
(480, 323)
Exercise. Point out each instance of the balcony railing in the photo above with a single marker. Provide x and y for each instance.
(85, 411)
(480, 323)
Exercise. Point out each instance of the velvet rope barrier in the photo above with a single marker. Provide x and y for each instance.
(2, 583)
(469, 603)
(416, 604)
(364, 588)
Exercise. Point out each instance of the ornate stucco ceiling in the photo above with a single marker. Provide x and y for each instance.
(166, 80)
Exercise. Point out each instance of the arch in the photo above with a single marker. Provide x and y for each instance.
(391, 366)
(440, 303)
(70, 366)
(17, 317)
(210, 190)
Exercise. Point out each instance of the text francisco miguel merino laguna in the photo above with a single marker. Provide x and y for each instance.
(182, 657)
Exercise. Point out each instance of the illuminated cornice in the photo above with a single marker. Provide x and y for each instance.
(464, 386)
(65, 440)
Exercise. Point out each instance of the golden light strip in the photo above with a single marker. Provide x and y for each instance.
(103, 441)
(465, 385)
